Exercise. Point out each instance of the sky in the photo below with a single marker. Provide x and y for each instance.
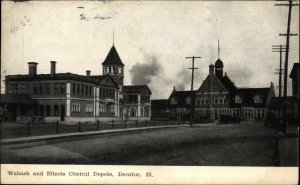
(152, 38)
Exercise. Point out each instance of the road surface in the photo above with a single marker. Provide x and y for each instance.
(247, 144)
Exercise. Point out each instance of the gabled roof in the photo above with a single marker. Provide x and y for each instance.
(160, 104)
(180, 97)
(227, 83)
(17, 99)
(100, 79)
(248, 94)
(113, 58)
(136, 89)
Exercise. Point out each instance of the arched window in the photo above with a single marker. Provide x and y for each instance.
(173, 101)
(142, 111)
(132, 112)
(257, 99)
(237, 99)
(147, 112)
(110, 107)
(188, 100)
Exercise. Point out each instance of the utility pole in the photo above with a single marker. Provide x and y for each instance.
(192, 89)
(279, 48)
(287, 35)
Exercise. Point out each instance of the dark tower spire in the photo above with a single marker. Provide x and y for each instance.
(218, 49)
(113, 36)
(219, 64)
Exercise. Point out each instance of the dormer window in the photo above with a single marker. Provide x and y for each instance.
(257, 99)
(237, 99)
(173, 101)
(188, 100)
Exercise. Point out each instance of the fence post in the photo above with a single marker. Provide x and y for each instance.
(28, 128)
(154, 123)
(112, 124)
(125, 124)
(57, 127)
(97, 125)
(167, 122)
(146, 123)
(79, 126)
(136, 122)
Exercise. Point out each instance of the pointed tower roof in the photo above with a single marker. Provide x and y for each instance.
(219, 63)
(113, 58)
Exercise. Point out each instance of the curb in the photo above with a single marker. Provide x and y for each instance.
(33, 139)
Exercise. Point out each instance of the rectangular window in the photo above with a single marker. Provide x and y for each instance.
(90, 90)
(22, 89)
(75, 107)
(41, 110)
(78, 88)
(56, 110)
(47, 88)
(62, 88)
(82, 89)
(47, 110)
(89, 108)
(73, 88)
(86, 90)
(35, 89)
(42, 89)
(56, 88)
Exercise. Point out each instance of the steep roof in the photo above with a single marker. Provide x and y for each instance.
(113, 58)
(248, 94)
(160, 104)
(136, 89)
(17, 99)
(219, 63)
(227, 83)
(180, 97)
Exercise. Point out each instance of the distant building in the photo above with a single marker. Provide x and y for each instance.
(71, 97)
(218, 96)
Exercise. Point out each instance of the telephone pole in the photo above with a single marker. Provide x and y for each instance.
(192, 89)
(288, 34)
(279, 48)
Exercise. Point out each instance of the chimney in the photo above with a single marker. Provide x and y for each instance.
(53, 68)
(32, 67)
(88, 73)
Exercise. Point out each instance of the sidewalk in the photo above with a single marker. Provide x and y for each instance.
(289, 147)
(31, 139)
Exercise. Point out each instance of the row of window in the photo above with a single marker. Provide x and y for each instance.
(217, 101)
(107, 93)
(76, 107)
(82, 89)
(38, 88)
(247, 113)
(114, 70)
(145, 112)
(49, 110)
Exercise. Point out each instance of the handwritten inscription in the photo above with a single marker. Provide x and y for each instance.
(22, 24)
(87, 18)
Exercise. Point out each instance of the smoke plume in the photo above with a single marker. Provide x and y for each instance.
(142, 73)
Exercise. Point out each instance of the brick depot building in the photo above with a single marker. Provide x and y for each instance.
(216, 96)
(71, 97)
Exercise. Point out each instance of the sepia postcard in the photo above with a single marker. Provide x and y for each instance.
(149, 92)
